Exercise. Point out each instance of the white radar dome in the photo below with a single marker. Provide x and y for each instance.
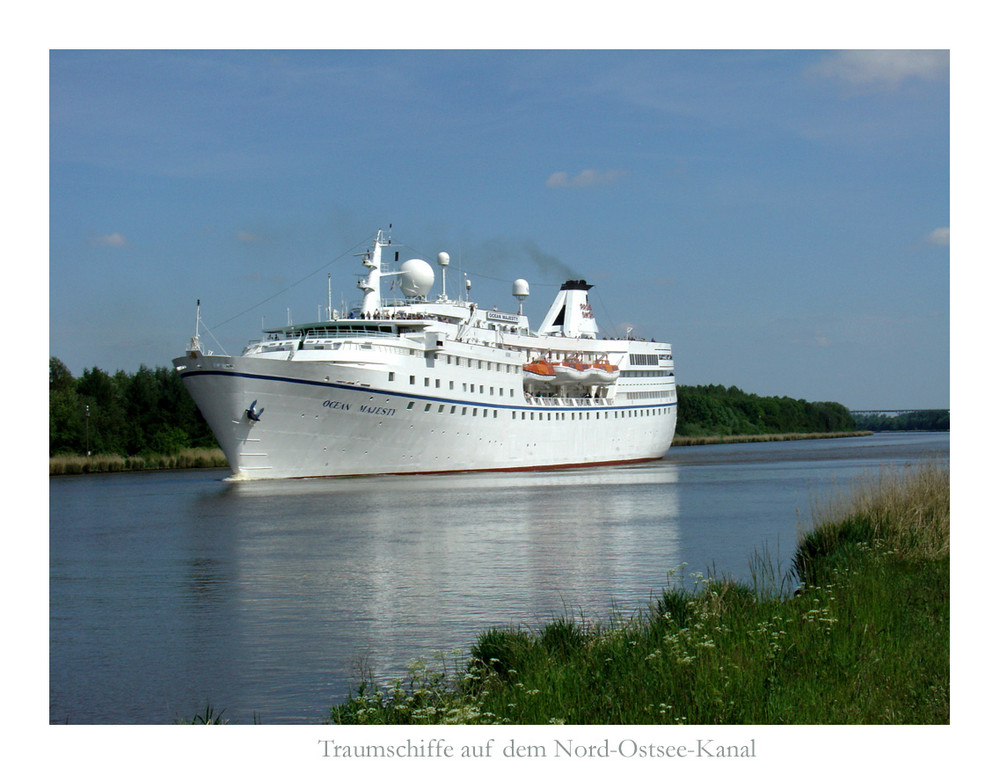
(520, 290)
(443, 259)
(417, 277)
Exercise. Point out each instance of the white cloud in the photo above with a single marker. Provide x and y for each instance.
(247, 236)
(883, 70)
(940, 236)
(114, 240)
(584, 179)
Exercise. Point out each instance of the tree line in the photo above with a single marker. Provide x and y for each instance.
(924, 420)
(714, 410)
(122, 414)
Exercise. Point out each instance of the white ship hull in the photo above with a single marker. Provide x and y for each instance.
(312, 427)
(426, 395)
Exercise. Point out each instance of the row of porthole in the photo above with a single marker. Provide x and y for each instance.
(529, 415)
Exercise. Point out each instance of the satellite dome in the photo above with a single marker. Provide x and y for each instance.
(520, 290)
(417, 277)
(443, 259)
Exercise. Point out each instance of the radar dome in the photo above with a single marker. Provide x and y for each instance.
(443, 259)
(417, 277)
(520, 290)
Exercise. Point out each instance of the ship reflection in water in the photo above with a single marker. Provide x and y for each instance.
(393, 568)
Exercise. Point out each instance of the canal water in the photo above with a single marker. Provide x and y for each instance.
(172, 590)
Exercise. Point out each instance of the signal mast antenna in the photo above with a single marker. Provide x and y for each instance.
(194, 346)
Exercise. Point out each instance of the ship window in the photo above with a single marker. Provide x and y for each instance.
(437, 383)
(392, 376)
(474, 411)
(413, 380)
(451, 384)
(464, 408)
(494, 412)
(440, 408)
(453, 410)
(410, 405)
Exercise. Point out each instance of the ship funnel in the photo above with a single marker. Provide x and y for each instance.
(570, 313)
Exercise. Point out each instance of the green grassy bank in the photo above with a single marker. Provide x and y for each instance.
(857, 633)
(692, 441)
(102, 464)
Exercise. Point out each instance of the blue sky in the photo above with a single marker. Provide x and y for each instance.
(780, 216)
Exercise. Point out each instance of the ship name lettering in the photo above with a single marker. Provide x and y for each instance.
(381, 410)
(337, 405)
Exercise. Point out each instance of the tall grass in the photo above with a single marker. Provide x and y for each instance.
(906, 512)
(696, 441)
(862, 639)
(186, 458)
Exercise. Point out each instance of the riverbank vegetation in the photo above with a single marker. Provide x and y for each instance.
(923, 420)
(857, 632)
(714, 410)
(151, 461)
(695, 441)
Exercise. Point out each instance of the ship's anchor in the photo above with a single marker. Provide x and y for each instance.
(254, 416)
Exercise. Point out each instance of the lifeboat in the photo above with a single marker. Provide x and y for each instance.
(571, 371)
(602, 372)
(539, 371)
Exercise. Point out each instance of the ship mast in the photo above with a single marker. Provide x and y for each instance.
(372, 284)
(194, 345)
(329, 298)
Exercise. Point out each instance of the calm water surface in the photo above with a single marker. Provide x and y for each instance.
(170, 590)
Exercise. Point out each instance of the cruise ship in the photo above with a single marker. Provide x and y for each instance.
(422, 383)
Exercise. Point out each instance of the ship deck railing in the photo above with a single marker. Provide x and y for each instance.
(567, 401)
(338, 332)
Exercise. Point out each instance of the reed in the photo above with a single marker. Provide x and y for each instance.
(856, 633)
(695, 441)
(188, 458)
